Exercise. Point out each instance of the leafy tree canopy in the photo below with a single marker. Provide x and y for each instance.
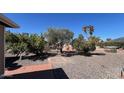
(54, 35)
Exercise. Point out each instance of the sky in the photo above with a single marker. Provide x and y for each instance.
(106, 25)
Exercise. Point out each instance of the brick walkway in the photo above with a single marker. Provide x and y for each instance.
(27, 69)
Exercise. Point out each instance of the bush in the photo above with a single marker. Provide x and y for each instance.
(111, 50)
(101, 45)
(18, 48)
(122, 47)
(112, 43)
(84, 46)
(36, 44)
(92, 47)
(24, 43)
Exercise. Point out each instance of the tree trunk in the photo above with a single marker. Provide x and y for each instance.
(20, 57)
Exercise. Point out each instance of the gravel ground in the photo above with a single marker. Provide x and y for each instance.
(12, 61)
(31, 62)
(100, 65)
(106, 66)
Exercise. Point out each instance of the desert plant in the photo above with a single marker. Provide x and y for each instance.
(113, 43)
(86, 45)
(78, 43)
(36, 44)
(11, 37)
(89, 30)
(83, 45)
(16, 43)
(18, 49)
(24, 43)
(122, 47)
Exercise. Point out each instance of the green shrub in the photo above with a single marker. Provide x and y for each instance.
(101, 45)
(18, 48)
(36, 44)
(20, 43)
(92, 47)
(84, 46)
(113, 43)
(122, 47)
(111, 50)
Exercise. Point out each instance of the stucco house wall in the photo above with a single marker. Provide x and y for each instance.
(4, 22)
(1, 49)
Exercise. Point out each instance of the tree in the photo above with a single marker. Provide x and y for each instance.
(18, 49)
(88, 30)
(36, 44)
(94, 40)
(54, 36)
(24, 43)
(51, 36)
(16, 43)
(81, 38)
(78, 42)
(10, 37)
(86, 45)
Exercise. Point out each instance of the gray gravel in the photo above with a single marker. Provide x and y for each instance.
(106, 66)
(31, 62)
(24, 62)
(94, 67)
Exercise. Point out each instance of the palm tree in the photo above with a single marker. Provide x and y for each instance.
(89, 30)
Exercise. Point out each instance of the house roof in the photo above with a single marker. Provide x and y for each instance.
(7, 22)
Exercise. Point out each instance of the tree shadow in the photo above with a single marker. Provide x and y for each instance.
(91, 54)
(39, 57)
(68, 54)
(99, 54)
(84, 54)
(10, 63)
(46, 74)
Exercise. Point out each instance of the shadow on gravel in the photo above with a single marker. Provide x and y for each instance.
(99, 54)
(39, 57)
(47, 74)
(84, 54)
(91, 54)
(10, 63)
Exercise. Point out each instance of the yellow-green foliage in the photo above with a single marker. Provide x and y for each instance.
(20, 43)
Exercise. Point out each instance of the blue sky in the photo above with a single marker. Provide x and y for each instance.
(106, 25)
